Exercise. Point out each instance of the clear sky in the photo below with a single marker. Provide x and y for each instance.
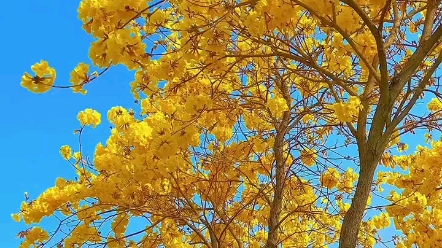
(33, 127)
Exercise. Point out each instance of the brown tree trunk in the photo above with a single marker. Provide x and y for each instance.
(276, 207)
(370, 153)
(353, 218)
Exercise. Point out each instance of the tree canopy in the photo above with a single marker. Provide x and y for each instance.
(262, 123)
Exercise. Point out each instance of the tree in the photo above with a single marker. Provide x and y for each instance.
(249, 111)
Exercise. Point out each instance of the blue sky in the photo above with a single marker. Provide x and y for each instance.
(35, 126)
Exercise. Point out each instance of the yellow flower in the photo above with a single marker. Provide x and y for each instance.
(77, 156)
(89, 117)
(434, 105)
(41, 69)
(346, 112)
(308, 156)
(330, 178)
(382, 221)
(36, 234)
(308, 117)
(277, 105)
(79, 76)
(16, 217)
(66, 152)
(44, 79)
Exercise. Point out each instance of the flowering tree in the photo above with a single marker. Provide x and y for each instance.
(248, 113)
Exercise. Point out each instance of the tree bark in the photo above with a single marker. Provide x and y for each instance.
(370, 152)
(353, 218)
(276, 207)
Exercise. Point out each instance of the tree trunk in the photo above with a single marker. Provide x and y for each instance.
(276, 207)
(352, 220)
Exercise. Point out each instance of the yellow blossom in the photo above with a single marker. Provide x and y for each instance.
(16, 217)
(435, 105)
(309, 156)
(347, 112)
(330, 178)
(79, 77)
(44, 79)
(89, 117)
(66, 152)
